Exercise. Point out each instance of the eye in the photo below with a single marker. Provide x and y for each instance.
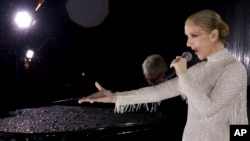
(194, 35)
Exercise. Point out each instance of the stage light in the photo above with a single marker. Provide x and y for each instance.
(29, 53)
(23, 19)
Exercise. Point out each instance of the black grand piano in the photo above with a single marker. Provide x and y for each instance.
(69, 121)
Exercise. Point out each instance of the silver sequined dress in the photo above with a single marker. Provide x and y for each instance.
(216, 94)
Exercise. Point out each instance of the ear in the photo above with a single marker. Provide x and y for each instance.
(214, 34)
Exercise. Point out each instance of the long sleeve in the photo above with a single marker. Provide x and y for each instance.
(230, 88)
(135, 99)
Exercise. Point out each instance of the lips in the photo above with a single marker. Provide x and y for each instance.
(195, 50)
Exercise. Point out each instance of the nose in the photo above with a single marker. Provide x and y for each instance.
(188, 43)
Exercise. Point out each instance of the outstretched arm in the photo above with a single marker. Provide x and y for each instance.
(103, 95)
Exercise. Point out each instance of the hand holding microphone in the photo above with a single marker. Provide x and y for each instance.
(180, 63)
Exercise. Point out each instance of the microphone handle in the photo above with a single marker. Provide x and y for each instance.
(169, 76)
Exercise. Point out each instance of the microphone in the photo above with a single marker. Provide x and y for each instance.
(186, 55)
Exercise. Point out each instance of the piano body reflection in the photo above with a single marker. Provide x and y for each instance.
(72, 122)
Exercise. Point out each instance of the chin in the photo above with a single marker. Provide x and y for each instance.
(201, 57)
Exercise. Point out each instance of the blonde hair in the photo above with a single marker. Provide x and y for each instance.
(210, 20)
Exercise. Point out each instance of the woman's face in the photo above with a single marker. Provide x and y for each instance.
(198, 40)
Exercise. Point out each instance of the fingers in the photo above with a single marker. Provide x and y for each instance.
(176, 60)
(171, 65)
(86, 99)
(98, 86)
(90, 100)
(81, 100)
(95, 97)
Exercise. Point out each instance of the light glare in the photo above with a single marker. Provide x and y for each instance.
(23, 19)
(29, 54)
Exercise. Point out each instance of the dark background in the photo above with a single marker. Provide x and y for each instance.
(110, 52)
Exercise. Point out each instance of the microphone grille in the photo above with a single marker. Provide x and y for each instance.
(187, 55)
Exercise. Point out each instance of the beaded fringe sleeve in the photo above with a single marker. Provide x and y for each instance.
(129, 101)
